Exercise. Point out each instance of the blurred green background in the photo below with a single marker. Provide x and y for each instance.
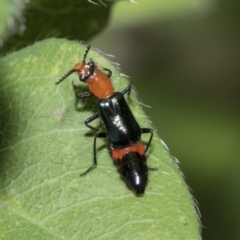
(183, 58)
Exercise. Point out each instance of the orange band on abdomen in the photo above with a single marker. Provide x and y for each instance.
(119, 153)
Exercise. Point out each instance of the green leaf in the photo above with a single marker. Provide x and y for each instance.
(41, 19)
(44, 146)
(10, 16)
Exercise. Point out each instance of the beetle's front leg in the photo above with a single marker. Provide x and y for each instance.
(80, 95)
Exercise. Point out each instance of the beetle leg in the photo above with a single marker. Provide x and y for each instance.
(81, 95)
(109, 72)
(127, 89)
(97, 135)
(90, 119)
(148, 130)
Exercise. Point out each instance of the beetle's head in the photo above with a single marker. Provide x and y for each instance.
(84, 70)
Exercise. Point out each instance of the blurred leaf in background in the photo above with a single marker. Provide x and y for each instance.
(29, 21)
(184, 61)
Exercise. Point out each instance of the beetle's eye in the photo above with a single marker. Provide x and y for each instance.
(83, 77)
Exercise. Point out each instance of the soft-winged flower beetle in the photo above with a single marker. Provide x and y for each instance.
(121, 128)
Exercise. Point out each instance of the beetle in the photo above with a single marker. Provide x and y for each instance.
(121, 128)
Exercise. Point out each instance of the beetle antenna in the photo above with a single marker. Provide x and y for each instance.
(87, 50)
(66, 75)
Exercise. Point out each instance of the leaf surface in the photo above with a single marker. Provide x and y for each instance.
(44, 146)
